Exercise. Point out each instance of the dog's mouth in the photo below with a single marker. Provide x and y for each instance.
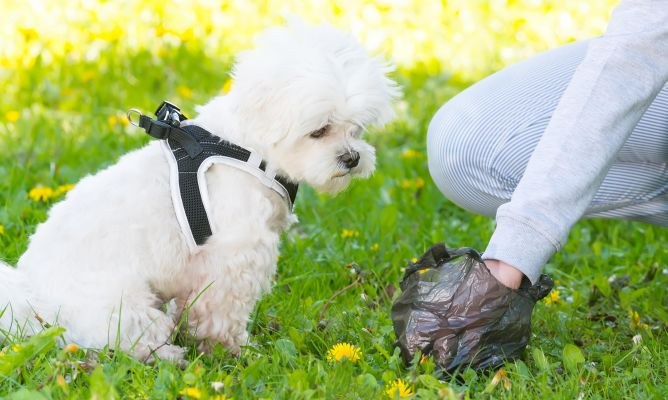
(341, 174)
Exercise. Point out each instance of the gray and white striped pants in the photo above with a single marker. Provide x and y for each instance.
(480, 141)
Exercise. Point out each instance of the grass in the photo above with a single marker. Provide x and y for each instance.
(582, 344)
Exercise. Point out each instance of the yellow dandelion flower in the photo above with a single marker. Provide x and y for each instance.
(111, 35)
(398, 388)
(341, 351)
(227, 86)
(186, 35)
(634, 320)
(16, 348)
(406, 184)
(12, 116)
(29, 33)
(62, 189)
(191, 392)
(184, 91)
(72, 348)
(410, 153)
(2, 230)
(419, 183)
(349, 233)
(114, 120)
(553, 297)
(41, 193)
(60, 381)
(375, 247)
(160, 30)
(87, 76)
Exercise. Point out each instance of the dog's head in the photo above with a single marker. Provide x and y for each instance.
(303, 98)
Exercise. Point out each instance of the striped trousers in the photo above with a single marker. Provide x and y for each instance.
(480, 141)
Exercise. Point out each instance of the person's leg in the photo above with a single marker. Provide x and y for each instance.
(480, 142)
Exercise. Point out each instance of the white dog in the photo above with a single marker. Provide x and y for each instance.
(113, 253)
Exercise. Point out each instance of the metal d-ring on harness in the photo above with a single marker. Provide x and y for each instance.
(190, 151)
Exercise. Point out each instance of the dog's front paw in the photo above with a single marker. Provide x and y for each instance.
(171, 353)
(206, 346)
(166, 352)
(232, 345)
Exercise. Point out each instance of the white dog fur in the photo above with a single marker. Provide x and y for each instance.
(112, 253)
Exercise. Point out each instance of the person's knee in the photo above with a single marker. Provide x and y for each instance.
(457, 161)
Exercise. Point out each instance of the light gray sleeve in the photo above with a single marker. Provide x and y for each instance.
(621, 74)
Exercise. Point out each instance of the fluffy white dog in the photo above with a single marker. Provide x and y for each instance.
(112, 253)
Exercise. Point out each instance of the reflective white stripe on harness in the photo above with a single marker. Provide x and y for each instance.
(252, 166)
(191, 150)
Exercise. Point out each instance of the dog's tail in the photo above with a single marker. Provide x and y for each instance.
(14, 302)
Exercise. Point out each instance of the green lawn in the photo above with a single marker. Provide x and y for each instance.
(582, 344)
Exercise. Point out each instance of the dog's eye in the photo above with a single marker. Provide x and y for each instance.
(319, 133)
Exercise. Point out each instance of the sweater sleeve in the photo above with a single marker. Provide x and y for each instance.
(621, 74)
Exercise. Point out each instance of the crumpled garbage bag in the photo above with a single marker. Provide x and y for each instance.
(452, 308)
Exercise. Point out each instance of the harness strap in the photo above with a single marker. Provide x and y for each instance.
(162, 130)
(191, 150)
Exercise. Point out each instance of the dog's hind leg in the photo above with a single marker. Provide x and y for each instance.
(147, 334)
(140, 329)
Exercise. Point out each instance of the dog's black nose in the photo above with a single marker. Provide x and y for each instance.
(350, 159)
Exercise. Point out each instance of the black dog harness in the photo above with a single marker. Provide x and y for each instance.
(190, 151)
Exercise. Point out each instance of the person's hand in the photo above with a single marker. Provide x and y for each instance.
(453, 308)
(505, 273)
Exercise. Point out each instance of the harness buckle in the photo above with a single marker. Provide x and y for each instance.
(170, 114)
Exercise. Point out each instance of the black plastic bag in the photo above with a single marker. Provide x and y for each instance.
(453, 309)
